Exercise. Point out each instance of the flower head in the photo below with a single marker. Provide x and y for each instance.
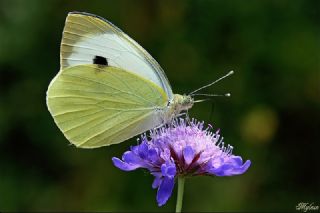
(183, 148)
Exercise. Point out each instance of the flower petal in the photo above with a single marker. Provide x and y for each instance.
(188, 154)
(168, 169)
(165, 154)
(153, 155)
(241, 169)
(123, 165)
(143, 150)
(237, 160)
(223, 170)
(231, 167)
(131, 158)
(156, 182)
(165, 190)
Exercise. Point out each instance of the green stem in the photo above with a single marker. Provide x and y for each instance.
(180, 193)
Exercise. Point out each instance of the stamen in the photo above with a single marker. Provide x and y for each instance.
(217, 140)
(222, 143)
(231, 148)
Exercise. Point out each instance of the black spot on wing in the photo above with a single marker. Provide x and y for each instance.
(100, 60)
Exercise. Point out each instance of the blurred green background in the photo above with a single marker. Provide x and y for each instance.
(272, 117)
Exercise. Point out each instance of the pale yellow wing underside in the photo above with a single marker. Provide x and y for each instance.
(97, 106)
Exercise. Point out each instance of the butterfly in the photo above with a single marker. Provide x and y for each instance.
(109, 88)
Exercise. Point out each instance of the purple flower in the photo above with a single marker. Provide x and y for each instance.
(183, 148)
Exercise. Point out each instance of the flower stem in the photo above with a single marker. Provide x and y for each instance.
(180, 194)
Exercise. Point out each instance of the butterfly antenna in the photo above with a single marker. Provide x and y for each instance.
(211, 95)
(212, 83)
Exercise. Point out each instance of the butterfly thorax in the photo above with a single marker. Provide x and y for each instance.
(178, 104)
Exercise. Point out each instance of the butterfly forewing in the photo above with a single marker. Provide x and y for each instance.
(87, 36)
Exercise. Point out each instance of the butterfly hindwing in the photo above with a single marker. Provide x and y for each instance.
(96, 105)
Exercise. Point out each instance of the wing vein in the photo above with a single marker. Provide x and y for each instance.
(118, 130)
(88, 79)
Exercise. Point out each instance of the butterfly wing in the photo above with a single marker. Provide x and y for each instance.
(97, 105)
(87, 36)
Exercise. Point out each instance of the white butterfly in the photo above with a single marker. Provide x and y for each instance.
(109, 88)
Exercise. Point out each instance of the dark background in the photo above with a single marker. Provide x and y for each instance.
(272, 117)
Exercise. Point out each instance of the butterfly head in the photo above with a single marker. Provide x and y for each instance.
(182, 102)
(178, 104)
(186, 102)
